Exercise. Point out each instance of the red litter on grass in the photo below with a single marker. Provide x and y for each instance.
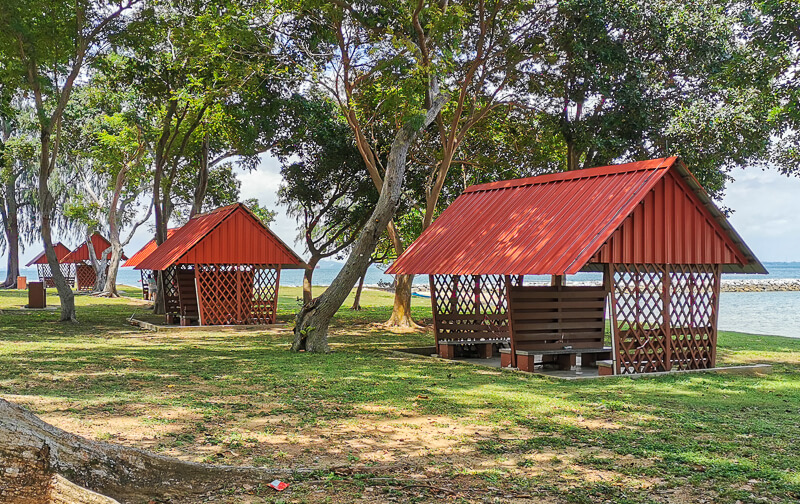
(279, 485)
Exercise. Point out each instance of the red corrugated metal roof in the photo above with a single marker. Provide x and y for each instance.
(145, 251)
(227, 235)
(545, 225)
(81, 254)
(61, 252)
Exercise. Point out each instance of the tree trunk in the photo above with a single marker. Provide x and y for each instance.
(308, 276)
(47, 203)
(98, 264)
(11, 229)
(357, 300)
(573, 156)
(202, 181)
(12, 262)
(110, 287)
(36, 457)
(401, 312)
(311, 324)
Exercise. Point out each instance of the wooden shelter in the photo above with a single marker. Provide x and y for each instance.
(146, 275)
(85, 275)
(222, 267)
(648, 226)
(43, 267)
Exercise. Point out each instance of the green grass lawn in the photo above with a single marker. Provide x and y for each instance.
(414, 429)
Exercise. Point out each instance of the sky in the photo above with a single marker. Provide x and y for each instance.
(766, 211)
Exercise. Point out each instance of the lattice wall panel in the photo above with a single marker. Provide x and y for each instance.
(145, 274)
(642, 338)
(237, 294)
(85, 277)
(694, 293)
(469, 306)
(170, 283)
(666, 317)
(46, 276)
(68, 270)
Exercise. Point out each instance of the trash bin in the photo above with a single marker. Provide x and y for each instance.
(22, 283)
(37, 295)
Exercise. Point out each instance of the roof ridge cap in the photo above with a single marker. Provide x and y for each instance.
(595, 171)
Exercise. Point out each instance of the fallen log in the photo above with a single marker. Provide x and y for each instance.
(42, 464)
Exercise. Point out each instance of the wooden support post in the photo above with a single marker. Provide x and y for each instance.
(510, 322)
(199, 294)
(273, 317)
(435, 313)
(614, 323)
(715, 314)
(237, 275)
(666, 297)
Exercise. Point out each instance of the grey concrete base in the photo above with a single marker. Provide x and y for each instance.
(583, 373)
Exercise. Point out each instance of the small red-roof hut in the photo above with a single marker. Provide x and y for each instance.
(222, 267)
(652, 230)
(43, 267)
(139, 256)
(85, 275)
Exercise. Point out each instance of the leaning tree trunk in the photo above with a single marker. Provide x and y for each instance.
(47, 204)
(36, 457)
(311, 323)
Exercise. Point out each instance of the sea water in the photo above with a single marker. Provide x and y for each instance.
(776, 313)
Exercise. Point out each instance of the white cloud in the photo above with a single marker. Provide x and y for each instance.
(262, 184)
(766, 208)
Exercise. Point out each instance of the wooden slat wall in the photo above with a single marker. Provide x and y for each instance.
(550, 318)
(187, 294)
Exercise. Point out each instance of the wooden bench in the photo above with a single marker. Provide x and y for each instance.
(484, 347)
(564, 358)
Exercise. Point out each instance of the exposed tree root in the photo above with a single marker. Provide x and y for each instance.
(106, 294)
(37, 458)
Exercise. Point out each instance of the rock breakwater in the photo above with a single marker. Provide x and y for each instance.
(766, 285)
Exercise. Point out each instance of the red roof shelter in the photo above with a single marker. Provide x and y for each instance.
(43, 267)
(139, 257)
(222, 267)
(85, 275)
(652, 230)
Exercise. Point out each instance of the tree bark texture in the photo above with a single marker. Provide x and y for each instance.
(47, 203)
(12, 262)
(110, 287)
(311, 324)
(308, 276)
(401, 312)
(202, 181)
(37, 457)
(357, 300)
(10, 214)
